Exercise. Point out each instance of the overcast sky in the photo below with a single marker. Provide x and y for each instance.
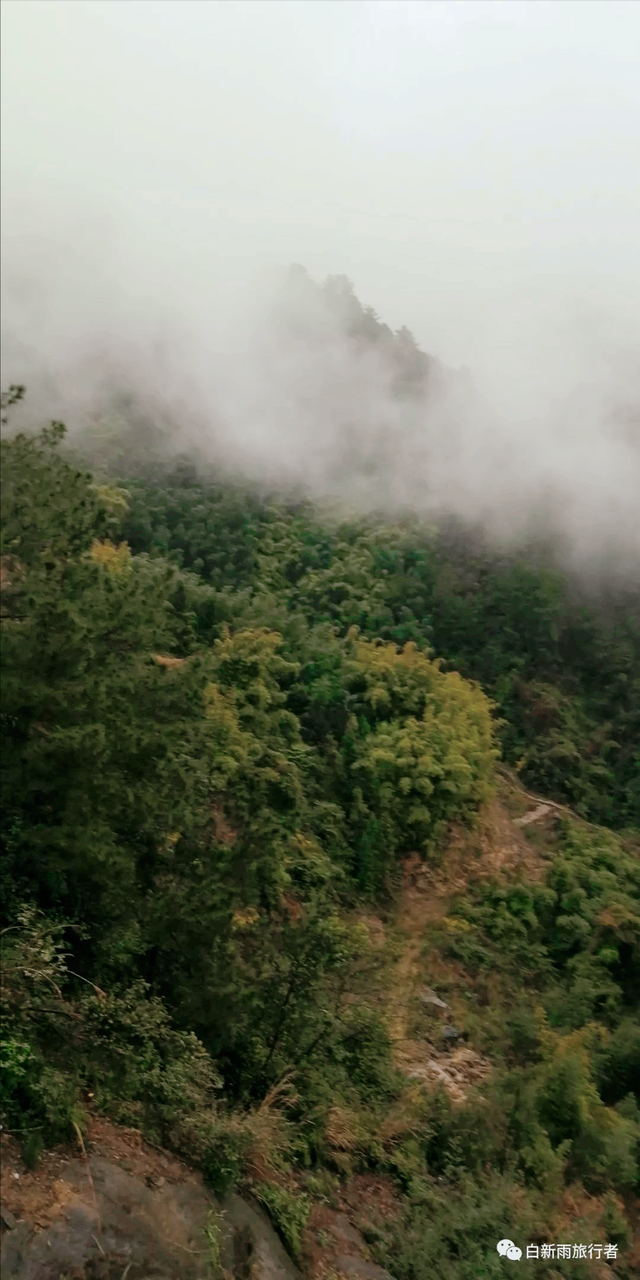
(467, 165)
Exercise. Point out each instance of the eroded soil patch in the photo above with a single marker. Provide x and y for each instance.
(494, 850)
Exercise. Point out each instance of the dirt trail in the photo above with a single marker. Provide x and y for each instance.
(457, 1068)
(540, 811)
(494, 850)
(417, 910)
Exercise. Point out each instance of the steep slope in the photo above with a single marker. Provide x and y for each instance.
(494, 850)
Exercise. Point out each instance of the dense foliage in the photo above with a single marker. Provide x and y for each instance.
(561, 660)
(223, 728)
(195, 818)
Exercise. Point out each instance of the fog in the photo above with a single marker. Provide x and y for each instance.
(474, 169)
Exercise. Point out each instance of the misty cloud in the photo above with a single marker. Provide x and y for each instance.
(472, 168)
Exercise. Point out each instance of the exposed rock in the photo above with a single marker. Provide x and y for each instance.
(458, 1068)
(94, 1219)
(257, 1251)
(451, 1034)
(158, 1232)
(429, 997)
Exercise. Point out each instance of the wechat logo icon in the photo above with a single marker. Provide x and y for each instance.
(507, 1249)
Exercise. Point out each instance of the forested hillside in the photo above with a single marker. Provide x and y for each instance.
(561, 661)
(230, 721)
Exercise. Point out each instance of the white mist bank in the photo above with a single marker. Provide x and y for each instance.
(159, 162)
(543, 431)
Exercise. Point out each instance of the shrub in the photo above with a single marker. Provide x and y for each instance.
(289, 1212)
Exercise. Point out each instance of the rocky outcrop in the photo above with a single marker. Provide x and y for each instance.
(124, 1227)
(128, 1212)
(256, 1251)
